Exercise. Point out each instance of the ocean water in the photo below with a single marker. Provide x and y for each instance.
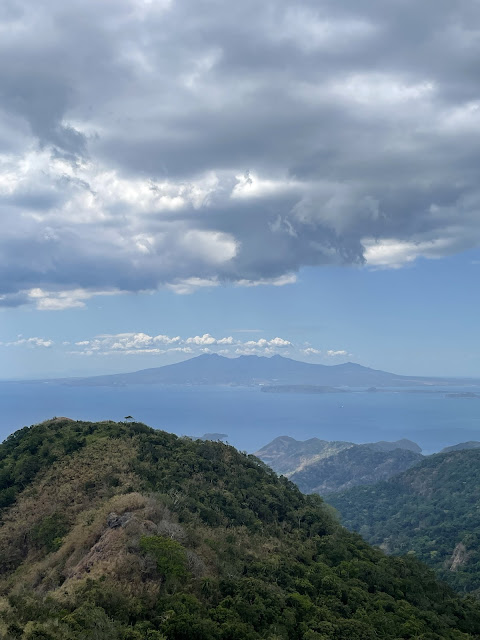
(249, 417)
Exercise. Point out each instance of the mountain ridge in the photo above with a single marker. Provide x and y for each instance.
(249, 370)
(323, 467)
(353, 466)
(471, 444)
(115, 531)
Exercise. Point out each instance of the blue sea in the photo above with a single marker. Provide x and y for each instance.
(249, 417)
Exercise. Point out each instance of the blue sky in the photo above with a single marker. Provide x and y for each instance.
(418, 320)
(187, 175)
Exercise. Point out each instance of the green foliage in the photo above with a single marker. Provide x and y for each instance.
(30, 450)
(430, 511)
(215, 546)
(357, 465)
(49, 532)
(168, 554)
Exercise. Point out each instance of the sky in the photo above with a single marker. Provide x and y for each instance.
(188, 176)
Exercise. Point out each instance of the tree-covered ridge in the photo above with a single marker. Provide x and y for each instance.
(323, 467)
(116, 531)
(357, 465)
(285, 455)
(471, 444)
(431, 510)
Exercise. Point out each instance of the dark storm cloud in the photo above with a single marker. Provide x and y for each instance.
(148, 143)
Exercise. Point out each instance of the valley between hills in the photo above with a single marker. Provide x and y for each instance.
(396, 498)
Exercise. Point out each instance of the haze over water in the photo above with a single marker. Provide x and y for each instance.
(249, 417)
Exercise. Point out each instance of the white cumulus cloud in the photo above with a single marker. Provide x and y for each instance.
(202, 340)
(29, 342)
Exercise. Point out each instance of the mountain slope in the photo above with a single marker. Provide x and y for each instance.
(471, 444)
(432, 510)
(286, 455)
(214, 369)
(357, 465)
(404, 443)
(118, 532)
(319, 466)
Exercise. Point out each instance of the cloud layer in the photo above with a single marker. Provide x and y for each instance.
(136, 343)
(185, 144)
(139, 343)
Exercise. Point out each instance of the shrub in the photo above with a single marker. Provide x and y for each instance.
(49, 532)
(169, 555)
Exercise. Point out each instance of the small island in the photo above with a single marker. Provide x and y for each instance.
(301, 388)
(464, 394)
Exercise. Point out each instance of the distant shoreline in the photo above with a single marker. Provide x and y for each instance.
(319, 390)
(283, 389)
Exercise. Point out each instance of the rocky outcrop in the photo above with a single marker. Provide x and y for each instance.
(459, 557)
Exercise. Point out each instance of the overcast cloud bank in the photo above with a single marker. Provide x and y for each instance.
(187, 144)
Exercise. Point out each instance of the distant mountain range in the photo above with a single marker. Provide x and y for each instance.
(320, 466)
(213, 369)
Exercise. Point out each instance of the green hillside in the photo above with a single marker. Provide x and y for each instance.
(118, 532)
(323, 467)
(286, 456)
(358, 465)
(431, 510)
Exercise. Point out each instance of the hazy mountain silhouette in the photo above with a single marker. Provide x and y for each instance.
(213, 369)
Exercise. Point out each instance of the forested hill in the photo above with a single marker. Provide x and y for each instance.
(323, 467)
(357, 465)
(118, 532)
(431, 510)
(472, 444)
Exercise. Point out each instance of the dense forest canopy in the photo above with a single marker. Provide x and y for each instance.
(432, 511)
(116, 531)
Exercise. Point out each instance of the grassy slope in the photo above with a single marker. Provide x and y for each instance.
(115, 531)
(432, 510)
